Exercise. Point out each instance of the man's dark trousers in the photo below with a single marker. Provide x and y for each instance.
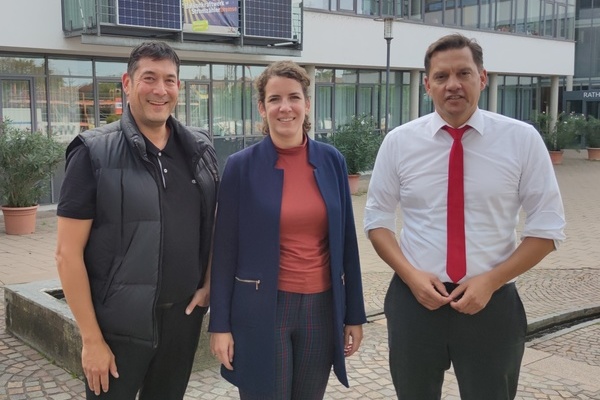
(161, 373)
(485, 349)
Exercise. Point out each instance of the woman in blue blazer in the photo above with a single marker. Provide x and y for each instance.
(286, 291)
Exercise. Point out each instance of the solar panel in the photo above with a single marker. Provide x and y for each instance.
(161, 14)
(268, 19)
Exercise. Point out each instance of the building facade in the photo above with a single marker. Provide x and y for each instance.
(61, 61)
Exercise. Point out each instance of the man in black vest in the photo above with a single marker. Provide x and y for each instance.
(135, 223)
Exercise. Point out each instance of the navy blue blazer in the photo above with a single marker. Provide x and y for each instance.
(245, 264)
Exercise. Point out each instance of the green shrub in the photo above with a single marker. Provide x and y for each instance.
(358, 141)
(27, 160)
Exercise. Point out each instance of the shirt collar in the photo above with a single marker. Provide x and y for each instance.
(475, 122)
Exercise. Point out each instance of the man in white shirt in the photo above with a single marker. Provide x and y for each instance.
(474, 320)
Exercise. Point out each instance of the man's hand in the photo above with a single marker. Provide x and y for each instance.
(201, 299)
(98, 361)
(473, 295)
(429, 291)
(221, 346)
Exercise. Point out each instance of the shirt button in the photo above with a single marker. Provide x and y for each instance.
(165, 170)
(194, 181)
(159, 154)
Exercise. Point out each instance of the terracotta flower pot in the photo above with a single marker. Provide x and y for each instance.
(593, 153)
(19, 220)
(353, 183)
(556, 157)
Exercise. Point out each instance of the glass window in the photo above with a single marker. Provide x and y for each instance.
(71, 106)
(533, 17)
(22, 66)
(368, 76)
(70, 67)
(110, 101)
(416, 9)
(548, 18)
(470, 13)
(252, 118)
(345, 103)
(450, 14)
(366, 99)
(323, 75)
(320, 4)
(226, 72)
(227, 108)
(484, 15)
(323, 108)
(369, 7)
(199, 72)
(509, 97)
(433, 12)
(504, 21)
(109, 69)
(346, 5)
(520, 21)
(41, 109)
(561, 21)
(346, 76)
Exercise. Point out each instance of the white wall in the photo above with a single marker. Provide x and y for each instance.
(329, 40)
(339, 40)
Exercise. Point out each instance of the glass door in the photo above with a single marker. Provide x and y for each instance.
(16, 102)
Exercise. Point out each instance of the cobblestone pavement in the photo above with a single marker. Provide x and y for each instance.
(560, 365)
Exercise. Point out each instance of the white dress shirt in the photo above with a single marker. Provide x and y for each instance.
(506, 167)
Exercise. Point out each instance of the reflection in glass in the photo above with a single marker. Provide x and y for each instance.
(199, 72)
(345, 103)
(70, 67)
(71, 107)
(16, 102)
(323, 108)
(227, 108)
(21, 66)
(110, 102)
(109, 69)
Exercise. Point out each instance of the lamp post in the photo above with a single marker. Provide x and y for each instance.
(387, 35)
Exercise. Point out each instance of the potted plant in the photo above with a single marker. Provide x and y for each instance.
(358, 141)
(27, 160)
(592, 138)
(559, 136)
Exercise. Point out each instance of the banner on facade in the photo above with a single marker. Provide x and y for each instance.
(215, 17)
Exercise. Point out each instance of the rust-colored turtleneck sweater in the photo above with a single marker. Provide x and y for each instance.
(304, 247)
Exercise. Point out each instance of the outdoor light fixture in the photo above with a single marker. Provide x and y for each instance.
(388, 24)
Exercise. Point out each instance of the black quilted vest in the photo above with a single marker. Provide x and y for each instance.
(123, 253)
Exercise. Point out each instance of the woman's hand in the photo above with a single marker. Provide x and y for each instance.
(221, 346)
(353, 335)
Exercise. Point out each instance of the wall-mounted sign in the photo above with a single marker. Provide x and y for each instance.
(215, 17)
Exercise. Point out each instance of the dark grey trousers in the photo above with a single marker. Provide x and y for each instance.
(485, 349)
(161, 373)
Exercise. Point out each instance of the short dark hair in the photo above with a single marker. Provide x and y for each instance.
(153, 50)
(454, 41)
(284, 69)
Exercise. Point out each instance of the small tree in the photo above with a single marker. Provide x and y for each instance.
(562, 135)
(358, 141)
(592, 133)
(27, 160)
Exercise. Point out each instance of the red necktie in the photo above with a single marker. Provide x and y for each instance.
(456, 261)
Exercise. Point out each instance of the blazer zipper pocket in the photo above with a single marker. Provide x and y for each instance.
(256, 282)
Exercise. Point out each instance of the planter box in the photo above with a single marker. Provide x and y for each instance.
(37, 314)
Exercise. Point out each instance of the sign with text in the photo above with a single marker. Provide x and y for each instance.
(215, 17)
